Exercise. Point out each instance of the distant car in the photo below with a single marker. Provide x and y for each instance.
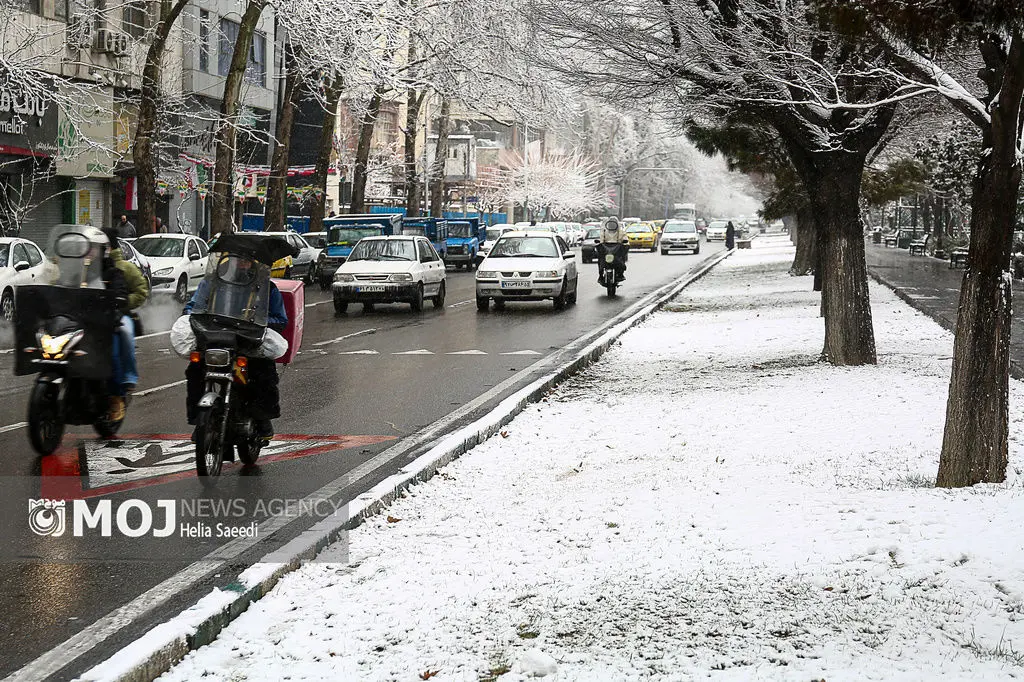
(493, 232)
(680, 235)
(390, 269)
(318, 240)
(716, 230)
(642, 236)
(21, 262)
(303, 265)
(590, 241)
(178, 262)
(702, 225)
(559, 228)
(528, 265)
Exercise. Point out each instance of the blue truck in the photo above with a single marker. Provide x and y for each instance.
(343, 232)
(465, 235)
(255, 222)
(434, 229)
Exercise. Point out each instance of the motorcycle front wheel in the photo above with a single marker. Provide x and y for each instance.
(249, 448)
(45, 417)
(209, 444)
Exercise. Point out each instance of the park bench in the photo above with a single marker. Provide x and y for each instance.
(891, 239)
(958, 258)
(919, 245)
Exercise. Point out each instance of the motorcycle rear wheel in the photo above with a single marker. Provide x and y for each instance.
(209, 444)
(45, 421)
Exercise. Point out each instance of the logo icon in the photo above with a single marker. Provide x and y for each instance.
(46, 517)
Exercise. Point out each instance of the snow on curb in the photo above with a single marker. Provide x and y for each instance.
(158, 650)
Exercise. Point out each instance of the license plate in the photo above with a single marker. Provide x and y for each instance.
(515, 285)
(370, 288)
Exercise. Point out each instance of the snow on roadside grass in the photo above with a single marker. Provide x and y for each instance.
(707, 500)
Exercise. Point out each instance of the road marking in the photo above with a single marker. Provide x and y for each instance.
(468, 352)
(13, 427)
(421, 351)
(346, 336)
(522, 352)
(358, 352)
(456, 305)
(311, 305)
(149, 336)
(139, 394)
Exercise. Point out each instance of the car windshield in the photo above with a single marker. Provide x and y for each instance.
(594, 233)
(524, 247)
(680, 227)
(384, 249)
(717, 224)
(345, 236)
(160, 247)
(463, 230)
(493, 234)
(638, 227)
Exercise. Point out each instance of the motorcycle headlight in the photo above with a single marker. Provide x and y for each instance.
(401, 277)
(486, 274)
(59, 345)
(548, 273)
(609, 258)
(163, 272)
(343, 277)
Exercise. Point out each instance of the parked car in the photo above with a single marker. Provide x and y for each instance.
(529, 265)
(21, 262)
(493, 232)
(390, 269)
(680, 235)
(642, 236)
(178, 262)
(716, 230)
(591, 239)
(303, 264)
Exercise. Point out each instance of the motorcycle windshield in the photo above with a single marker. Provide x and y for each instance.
(79, 262)
(234, 287)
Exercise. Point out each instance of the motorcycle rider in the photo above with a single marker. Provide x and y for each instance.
(264, 395)
(611, 242)
(138, 292)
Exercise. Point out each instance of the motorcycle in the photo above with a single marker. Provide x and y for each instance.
(229, 321)
(612, 261)
(65, 333)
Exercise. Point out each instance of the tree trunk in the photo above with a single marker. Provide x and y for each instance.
(143, 155)
(412, 180)
(806, 243)
(974, 444)
(332, 96)
(277, 184)
(362, 165)
(221, 199)
(834, 189)
(438, 169)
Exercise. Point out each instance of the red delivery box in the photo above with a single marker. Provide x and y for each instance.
(294, 295)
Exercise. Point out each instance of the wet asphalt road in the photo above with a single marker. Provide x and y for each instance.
(361, 382)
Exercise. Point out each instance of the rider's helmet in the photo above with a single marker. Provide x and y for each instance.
(611, 230)
(78, 252)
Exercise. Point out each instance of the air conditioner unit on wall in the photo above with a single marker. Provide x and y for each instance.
(112, 42)
(79, 31)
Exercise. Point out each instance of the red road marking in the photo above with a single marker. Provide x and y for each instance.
(62, 471)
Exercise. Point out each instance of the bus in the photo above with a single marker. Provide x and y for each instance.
(684, 211)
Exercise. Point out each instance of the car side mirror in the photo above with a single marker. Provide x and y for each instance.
(21, 266)
(194, 256)
(568, 255)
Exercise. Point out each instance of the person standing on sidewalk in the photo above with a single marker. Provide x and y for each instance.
(125, 229)
(730, 236)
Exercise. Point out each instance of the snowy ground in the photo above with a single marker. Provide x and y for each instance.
(707, 501)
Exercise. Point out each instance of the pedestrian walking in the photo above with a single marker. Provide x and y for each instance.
(730, 236)
(125, 229)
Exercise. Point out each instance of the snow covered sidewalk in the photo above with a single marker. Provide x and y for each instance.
(706, 501)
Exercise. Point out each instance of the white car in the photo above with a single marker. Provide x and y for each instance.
(178, 262)
(716, 230)
(679, 235)
(493, 232)
(527, 265)
(390, 269)
(21, 262)
(304, 264)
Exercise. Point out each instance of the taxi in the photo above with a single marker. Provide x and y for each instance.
(642, 236)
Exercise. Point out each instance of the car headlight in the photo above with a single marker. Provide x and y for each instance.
(343, 277)
(401, 277)
(548, 273)
(162, 272)
(486, 274)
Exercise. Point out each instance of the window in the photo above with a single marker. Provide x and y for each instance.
(135, 18)
(34, 257)
(20, 256)
(563, 245)
(226, 45)
(256, 70)
(193, 249)
(203, 250)
(425, 251)
(204, 41)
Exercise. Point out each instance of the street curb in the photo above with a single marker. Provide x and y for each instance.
(1016, 369)
(165, 645)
